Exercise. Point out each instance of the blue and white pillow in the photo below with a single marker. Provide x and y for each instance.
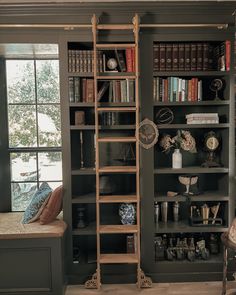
(37, 201)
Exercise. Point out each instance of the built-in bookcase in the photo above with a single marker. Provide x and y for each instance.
(180, 86)
(183, 90)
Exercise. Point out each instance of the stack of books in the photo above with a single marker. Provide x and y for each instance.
(202, 118)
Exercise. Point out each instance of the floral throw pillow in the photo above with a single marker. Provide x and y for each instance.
(37, 201)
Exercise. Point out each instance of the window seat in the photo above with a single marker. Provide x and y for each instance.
(12, 228)
(32, 256)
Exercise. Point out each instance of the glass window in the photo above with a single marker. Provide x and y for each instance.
(34, 125)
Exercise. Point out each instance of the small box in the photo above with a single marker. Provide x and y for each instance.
(79, 118)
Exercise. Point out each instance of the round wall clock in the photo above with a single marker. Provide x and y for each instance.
(148, 133)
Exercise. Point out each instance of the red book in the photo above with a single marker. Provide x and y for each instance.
(128, 54)
(133, 59)
(165, 90)
(227, 55)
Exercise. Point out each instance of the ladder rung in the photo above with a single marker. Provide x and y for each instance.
(116, 109)
(118, 199)
(118, 258)
(117, 169)
(118, 229)
(117, 139)
(120, 46)
(115, 27)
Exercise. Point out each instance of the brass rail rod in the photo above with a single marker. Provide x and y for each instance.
(71, 27)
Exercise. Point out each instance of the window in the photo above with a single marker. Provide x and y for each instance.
(34, 126)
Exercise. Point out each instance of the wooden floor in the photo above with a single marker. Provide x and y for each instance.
(208, 288)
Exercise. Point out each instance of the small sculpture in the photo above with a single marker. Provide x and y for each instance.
(188, 181)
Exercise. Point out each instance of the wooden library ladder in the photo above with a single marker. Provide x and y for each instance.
(126, 258)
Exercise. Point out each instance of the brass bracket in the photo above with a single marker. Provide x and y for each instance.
(92, 283)
(145, 282)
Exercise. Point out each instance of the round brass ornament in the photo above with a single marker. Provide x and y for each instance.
(148, 133)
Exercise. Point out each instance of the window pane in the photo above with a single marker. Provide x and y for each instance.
(53, 185)
(23, 167)
(50, 166)
(49, 125)
(22, 126)
(47, 77)
(20, 81)
(22, 194)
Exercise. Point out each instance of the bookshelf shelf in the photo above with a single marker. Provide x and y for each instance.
(207, 196)
(192, 103)
(101, 104)
(190, 170)
(114, 46)
(84, 199)
(88, 230)
(84, 171)
(104, 127)
(82, 75)
(191, 73)
(182, 226)
(116, 76)
(193, 126)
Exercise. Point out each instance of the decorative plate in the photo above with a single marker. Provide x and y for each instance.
(148, 134)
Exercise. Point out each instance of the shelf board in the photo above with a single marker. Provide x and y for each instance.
(117, 139)
(118, 229)
(118, 258)
(118, 199)
(184, 227)
(116, 76)
(115, 46)
(212, 259)
(104, 104)
(107, 127)
(118, 169)
(191, 103)
(86, 231)
(191, 169)
(116, 109)
(84, 199)
(190, 73)
(193, 126)
(83, 171)
(83, 75)
(82, 127)
(206, 196)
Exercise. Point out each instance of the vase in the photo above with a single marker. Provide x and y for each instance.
(127, 213)
(176, 159)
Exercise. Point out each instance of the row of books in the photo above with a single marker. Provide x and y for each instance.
(201, 56)
(82, 90)
(202, 118)
(173, 89)
(81, 61)
(117, 91)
